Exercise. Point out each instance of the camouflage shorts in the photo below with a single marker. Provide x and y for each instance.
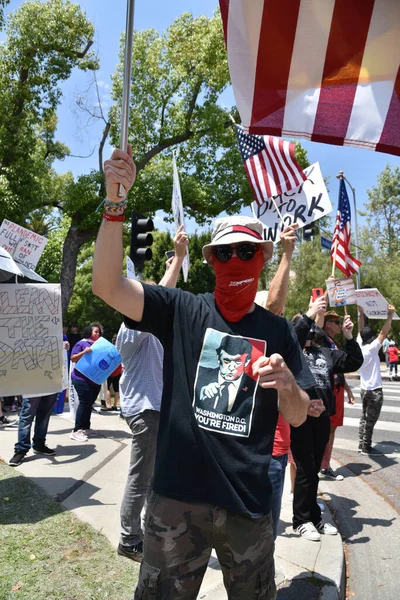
(179, 537)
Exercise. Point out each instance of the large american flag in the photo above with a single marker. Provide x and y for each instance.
(327, 71)
(270, 164)
(340, 250)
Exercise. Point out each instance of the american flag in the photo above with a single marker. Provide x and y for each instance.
(340, 251)
(270, 164)
(327, 71)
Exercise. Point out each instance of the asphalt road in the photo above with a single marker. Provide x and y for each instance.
(367, 503)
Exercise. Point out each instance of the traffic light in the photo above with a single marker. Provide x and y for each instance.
(141, 240)
(308, 233)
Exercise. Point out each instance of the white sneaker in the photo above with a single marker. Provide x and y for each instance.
(327, 528)
(79, 436)
(308, 531)
(88, 432)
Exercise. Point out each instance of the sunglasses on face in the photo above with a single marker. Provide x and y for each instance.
(243, 251)
(336, 323)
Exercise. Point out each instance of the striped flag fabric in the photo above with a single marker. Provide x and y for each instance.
(270, 164)
(340, 251)
(327, 71)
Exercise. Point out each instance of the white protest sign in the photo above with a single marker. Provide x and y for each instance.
(341, 292)
(177, 211)
(31, 341)
(130, 268)
(303, 205)
(24, 246)
(374, 304)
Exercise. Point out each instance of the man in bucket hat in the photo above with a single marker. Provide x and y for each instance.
(211, 486)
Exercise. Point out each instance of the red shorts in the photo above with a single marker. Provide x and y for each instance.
(337, 419)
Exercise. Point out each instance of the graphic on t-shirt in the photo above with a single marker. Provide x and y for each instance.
(319, 368)
(225, 388)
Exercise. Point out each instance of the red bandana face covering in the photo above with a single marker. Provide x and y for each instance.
(236, 285)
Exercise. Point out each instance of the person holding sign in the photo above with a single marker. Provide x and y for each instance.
(86, 389)
(371, 380)
(210, 485)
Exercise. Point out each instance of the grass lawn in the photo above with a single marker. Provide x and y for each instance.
(46, 553)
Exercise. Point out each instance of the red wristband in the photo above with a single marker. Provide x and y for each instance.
(109, 217)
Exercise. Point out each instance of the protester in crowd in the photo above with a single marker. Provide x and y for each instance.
(274, 300)
(393, 354)
(141, 389)
(308, 441)
(86, 389)
(38, 408)
(385, 346)
(4, 421)
(211, 486)
(371, 380)
(112, 386)
(74, 336)
(332, 327)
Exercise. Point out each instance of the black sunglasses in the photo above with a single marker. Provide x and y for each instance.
(244, 252)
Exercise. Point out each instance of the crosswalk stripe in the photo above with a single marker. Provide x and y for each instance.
(394, 409)
(381, 425)
(352, 445)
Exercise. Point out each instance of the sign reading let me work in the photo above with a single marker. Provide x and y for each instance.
(31, 344)
(24, 246)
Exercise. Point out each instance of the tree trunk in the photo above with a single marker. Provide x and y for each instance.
(73, 242)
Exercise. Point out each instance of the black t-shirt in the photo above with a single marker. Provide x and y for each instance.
(216, 424)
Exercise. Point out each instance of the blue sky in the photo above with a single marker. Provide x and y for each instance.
(361, 167)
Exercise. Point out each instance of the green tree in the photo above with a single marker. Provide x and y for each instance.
(3, 4)
(384, 207)
(45, 41)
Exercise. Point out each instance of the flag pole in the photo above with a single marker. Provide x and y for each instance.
(127, 83)
(334, 259)
(341, 176)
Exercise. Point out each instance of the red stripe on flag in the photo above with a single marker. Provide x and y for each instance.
(344, 54)
(257, 195)
(264, 175)
(283, 176)
(276, 175)
(391, 130)
(300, 173)
(224, 8)
(277, 35)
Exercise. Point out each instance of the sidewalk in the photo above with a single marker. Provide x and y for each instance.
(89, 480)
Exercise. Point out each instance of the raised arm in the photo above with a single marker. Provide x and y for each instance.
(386, 328)
(123, 294)
(172, 271)
(278, 289)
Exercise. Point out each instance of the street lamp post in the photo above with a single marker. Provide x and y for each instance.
(341, 176)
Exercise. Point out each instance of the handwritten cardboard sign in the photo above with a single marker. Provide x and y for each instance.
(303, 205)
(374, 304)
(100, 362)
(177, 211)
(341, 292)
(24, 246)
(31, 343)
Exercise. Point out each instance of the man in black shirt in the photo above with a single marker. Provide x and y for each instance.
(211, 486)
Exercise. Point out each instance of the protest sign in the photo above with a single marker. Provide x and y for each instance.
(98, 364)
(177, 211)
(31, 343)
(24, 246)
(341, 292)
(303, 205)
(374, 304)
